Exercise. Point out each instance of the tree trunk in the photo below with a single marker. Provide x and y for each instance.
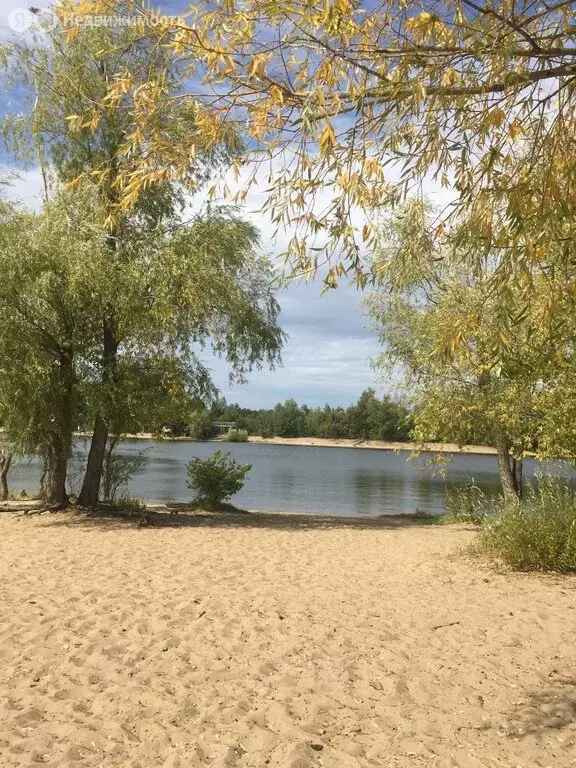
(507, 478)
(56, 495)
(60, 441)
(107, 492)
(5, 462)
(517, 470)
(43, 476)
(90, 493)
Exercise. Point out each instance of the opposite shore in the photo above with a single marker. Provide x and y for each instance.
(320, 442)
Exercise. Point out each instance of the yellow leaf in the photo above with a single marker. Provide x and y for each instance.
(515, 129)
(276, 94)
(327, 139)
(496, 117)
(440, 229)
(257, 66)
(449, 77)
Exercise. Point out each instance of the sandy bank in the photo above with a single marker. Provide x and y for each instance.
(291, 642)
(321, 442)
(378, 444)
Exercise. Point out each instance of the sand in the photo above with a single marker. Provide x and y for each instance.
(280, 641)
(381, 445)
(344, 442)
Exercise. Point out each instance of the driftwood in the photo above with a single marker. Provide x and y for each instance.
(451, 624)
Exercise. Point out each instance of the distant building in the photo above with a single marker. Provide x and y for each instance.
(223, 427)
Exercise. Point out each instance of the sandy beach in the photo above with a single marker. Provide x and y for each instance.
(344, 442)
(280, 641)
(381, 445)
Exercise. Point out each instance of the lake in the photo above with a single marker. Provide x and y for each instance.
(337, 481)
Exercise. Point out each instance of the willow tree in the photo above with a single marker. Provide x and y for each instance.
(205, 283)
(66, 76)
(368, 101)
(440, 325)
(48, 323)
(182, 288)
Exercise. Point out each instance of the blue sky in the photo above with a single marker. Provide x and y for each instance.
(327, 355)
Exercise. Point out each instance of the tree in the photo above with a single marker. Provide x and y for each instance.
(289, 421)
(458, 388)
(199, 425)
(93, 155)
(204, 283)
(368, 100)
(5, 464)
(216, 478)
(46, 324)
(152, 311)
(363, 416)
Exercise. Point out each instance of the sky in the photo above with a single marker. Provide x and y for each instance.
(327, 356)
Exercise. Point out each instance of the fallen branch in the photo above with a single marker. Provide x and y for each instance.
(451, 624)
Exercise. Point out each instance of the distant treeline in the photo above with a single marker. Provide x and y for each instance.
(370, 418)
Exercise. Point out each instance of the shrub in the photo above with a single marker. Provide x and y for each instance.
(467, 504)
(118, 471)
(216, 478)
(537, 533)
(129, 506)
(237, 436)
(200, 425)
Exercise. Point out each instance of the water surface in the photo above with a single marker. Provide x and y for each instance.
(337, 481)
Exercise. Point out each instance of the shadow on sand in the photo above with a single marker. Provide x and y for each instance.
(178, 516)
(552, 709)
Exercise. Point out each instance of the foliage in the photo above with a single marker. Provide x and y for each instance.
(127, 506)
(216, 478)
(374, 419)
(237, 436)
(370, 418)
(466, 504)
(459, 391)
(48, 322)
(162, 282)
(199, 426)
(289, 420)
(369, 100)
(119, 469)
(537, 533)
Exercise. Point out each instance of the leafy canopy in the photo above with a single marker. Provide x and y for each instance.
(368, 100)
(440, 325)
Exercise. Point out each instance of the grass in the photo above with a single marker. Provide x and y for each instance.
(468, 504)
(237, 436)
(537, 533)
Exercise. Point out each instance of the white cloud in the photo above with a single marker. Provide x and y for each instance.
(25, 187)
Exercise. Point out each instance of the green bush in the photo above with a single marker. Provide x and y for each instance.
(216, 478)
(537, 533)
(119, 469)
(237, 436)
(200, 425)
(467, 504)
